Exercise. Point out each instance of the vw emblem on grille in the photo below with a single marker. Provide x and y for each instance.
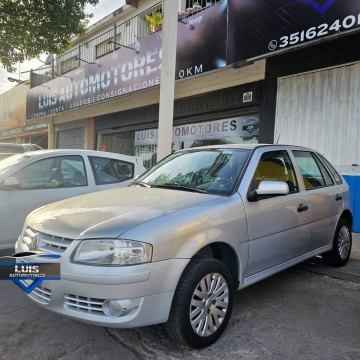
(35, 241)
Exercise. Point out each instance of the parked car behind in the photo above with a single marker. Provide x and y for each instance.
(32, 179)
(7, 150)
(174, 246)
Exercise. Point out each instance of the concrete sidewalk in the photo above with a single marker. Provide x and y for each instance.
(349, 272)
(353, 266)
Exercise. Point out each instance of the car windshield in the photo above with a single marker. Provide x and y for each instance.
(212, 171)
(11, 161)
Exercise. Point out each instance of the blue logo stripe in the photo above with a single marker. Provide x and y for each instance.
(317, 7)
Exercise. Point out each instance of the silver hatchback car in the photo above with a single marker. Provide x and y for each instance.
(174, 246)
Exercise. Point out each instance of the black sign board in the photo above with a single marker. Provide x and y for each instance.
(260, 27)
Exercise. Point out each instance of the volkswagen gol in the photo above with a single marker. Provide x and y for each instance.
(174, 246)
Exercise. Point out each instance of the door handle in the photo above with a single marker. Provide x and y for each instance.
(302, 208)
(338, 197)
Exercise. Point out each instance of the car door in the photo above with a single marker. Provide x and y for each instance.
(325, 201)
(277, 225)
(110, 173)
(41, 182)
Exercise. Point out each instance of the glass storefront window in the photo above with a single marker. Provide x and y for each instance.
(143, 143)
(117, 142)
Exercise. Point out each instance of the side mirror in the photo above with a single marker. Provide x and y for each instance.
(11, 183)
(269, 188)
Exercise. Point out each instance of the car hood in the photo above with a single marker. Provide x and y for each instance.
(110, 213)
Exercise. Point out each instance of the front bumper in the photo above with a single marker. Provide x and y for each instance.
(84, 291)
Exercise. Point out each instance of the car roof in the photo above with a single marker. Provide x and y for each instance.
(247, 146)
(40, 153)
(14, 145)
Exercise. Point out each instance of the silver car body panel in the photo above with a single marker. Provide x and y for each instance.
(266, 237)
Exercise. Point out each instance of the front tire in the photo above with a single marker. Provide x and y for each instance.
(341, 247)
(202, 303)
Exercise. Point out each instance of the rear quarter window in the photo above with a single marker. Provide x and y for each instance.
(332, 170)
(109, 171)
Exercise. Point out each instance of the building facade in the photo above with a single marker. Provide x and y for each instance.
(13, 126)
(245, 72)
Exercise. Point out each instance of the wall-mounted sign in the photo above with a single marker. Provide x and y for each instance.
(248, 97)
(119, 73)
(227, 32)
(12, 114)
(259, 27)
(201, 47)
(201, 41)
(12, 108)
(243, 126)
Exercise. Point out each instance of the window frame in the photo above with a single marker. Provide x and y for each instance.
(331, 169)
(105, 44)
(288, 166)
(55, 163)
(74, 64)
(98, 182)
(320, 167)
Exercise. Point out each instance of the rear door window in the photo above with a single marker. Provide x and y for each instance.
(313, 172)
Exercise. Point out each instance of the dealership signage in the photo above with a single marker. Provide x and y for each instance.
(243, 126)
(261, 27)
(121, 72)
(22, 130)
(126, 70)
(12, 114)
(228, 32)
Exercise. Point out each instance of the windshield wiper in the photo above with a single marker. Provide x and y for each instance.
(141, 183)
(179, 187)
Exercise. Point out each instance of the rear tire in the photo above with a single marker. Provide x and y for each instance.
(202, 303)
(341, 246)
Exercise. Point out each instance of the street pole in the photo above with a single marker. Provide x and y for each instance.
(167, 78)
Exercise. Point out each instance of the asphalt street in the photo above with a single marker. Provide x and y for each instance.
(300, 313)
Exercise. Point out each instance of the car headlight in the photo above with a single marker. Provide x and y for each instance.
(112, 252)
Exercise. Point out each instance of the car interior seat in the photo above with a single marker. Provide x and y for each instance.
(79, 178)
(270, 169)
(57, 175)
(123, 172)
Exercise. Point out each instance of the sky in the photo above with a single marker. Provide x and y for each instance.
(104, 8)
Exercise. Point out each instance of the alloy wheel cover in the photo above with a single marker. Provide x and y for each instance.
(209, 304)
(344, 242)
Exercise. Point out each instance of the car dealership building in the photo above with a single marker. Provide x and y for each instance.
(246, 71)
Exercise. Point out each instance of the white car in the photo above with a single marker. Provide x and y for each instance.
(36, 178)
(7, 150)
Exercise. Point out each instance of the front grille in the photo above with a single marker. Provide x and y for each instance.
(39, 294)
(53, 244)
(84, 305)
(45, 242)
